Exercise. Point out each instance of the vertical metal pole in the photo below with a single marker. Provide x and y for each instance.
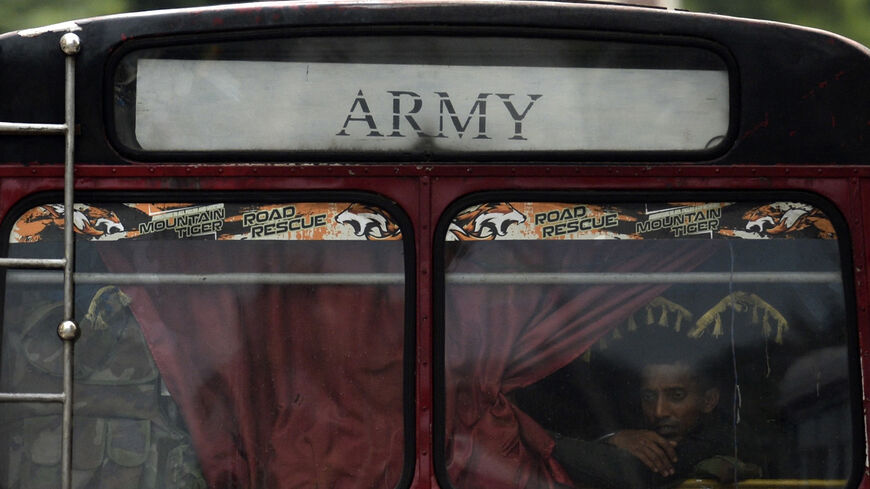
(68, 330)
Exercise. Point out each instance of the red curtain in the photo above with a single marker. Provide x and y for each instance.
(281, 386)
(301, 386)
(500, 338)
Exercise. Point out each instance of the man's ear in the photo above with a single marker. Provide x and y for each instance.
(711, 400)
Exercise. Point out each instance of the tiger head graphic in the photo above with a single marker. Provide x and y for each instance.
(371, 222)
(88, 220)
(781, 218)
(485, 222)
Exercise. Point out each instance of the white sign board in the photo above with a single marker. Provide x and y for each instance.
(201, 105)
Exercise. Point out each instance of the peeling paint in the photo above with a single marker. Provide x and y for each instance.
(38, 31)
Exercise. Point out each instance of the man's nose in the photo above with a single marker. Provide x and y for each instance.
(662, 408)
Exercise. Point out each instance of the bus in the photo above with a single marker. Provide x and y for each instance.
(433, 244)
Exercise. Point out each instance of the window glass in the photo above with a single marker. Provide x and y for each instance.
(645, 344)
(457, 94)
(224, 344)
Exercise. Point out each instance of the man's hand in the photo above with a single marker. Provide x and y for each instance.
(655, 451)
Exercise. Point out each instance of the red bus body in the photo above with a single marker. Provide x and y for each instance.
(799, 124)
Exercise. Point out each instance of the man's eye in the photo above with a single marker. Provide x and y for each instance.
(677, 395)
(648, 396)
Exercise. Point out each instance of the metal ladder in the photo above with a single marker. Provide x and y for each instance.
(68, 330)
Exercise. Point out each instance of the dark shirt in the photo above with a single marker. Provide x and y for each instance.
(600, 464)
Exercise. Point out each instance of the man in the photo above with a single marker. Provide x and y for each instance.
(681, 436)
(676, 406)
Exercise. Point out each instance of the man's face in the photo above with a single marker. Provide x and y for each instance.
(673, 402)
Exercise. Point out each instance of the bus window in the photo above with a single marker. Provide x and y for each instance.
(469, 94)
(225, 344)
(642, 344)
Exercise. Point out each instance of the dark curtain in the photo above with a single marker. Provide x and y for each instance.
(281, 386)
(500, 338)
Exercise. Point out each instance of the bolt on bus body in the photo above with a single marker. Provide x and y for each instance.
(407, 245)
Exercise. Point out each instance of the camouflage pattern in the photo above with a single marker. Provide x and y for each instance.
(127, 430)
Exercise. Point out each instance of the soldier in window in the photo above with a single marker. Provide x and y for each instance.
(681, 435)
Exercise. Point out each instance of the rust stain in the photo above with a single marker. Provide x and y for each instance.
(760, 125)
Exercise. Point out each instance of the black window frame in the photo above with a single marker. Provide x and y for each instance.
(844, 238)
(409, 372)
(448, 158)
